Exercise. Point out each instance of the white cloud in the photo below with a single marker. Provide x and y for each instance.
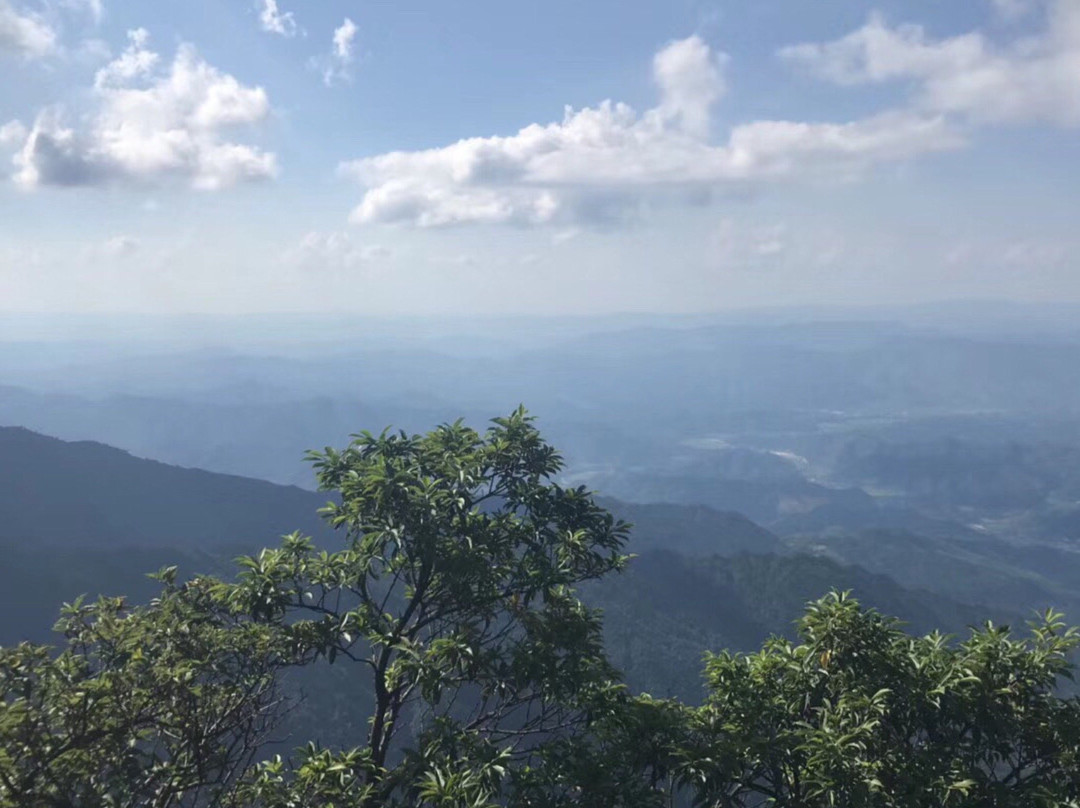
(334, 251)
(92, 51)
(15, 258)
(743, 243)
(274, 21)
(12, 133)
(600, 162)
(335, 67)
(1031, 79)
(565, 236)
(691, 80)
(343, 41)
(1030, 254)
(151, 125)
(25, 33)
(1011, 254)
(135, 62)
(459, 260)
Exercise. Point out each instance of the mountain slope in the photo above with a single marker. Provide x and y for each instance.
(92, 495)
(691, 529)
(666, 610)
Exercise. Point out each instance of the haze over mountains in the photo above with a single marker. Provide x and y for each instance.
(84, 518)
(927, 460)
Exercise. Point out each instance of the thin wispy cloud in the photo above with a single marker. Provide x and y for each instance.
(95, 9)
(12, 133)
(336, 67)
(275, 21)
(334, 250)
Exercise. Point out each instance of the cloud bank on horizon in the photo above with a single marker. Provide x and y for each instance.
(155, 119)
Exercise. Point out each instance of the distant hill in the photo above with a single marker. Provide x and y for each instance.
(692, 529)
(92, 495)
(83, 517)
(1020, 578)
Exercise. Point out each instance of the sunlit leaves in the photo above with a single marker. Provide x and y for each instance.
(863, 714)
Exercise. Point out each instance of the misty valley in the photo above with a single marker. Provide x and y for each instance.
(927, 463)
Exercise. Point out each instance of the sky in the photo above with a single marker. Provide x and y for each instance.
(452, 157)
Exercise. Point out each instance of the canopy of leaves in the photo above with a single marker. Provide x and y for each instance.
(861, 713)
(453, 598)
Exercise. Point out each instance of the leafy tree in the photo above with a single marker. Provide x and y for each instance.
(632, 756)
(862, 714)
(161, 705)
(453, 598)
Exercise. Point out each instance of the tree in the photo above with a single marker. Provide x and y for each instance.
(161, 705)
(453, 598)
(862, 714)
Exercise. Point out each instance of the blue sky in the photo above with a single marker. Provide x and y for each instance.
(405, 157)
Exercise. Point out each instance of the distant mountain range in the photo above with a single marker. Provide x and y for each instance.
(87, 518)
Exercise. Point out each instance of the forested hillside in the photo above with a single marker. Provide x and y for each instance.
(83, 518)
(94, 496)
(432, 648)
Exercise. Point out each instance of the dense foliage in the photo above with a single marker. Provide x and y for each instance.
(860, 713)
(453, 597)
(451, 613)
(161, 705)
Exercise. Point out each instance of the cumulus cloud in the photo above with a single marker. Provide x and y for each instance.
(1030, 79)
(136, 61)
(25, 33)
(343, 41)
(151, 124)
(599, 161)
(274, 21)
(336, 66)
(691, 80)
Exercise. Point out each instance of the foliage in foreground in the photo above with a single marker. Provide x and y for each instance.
(167, 704)
(452, 605)
(860, 713)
